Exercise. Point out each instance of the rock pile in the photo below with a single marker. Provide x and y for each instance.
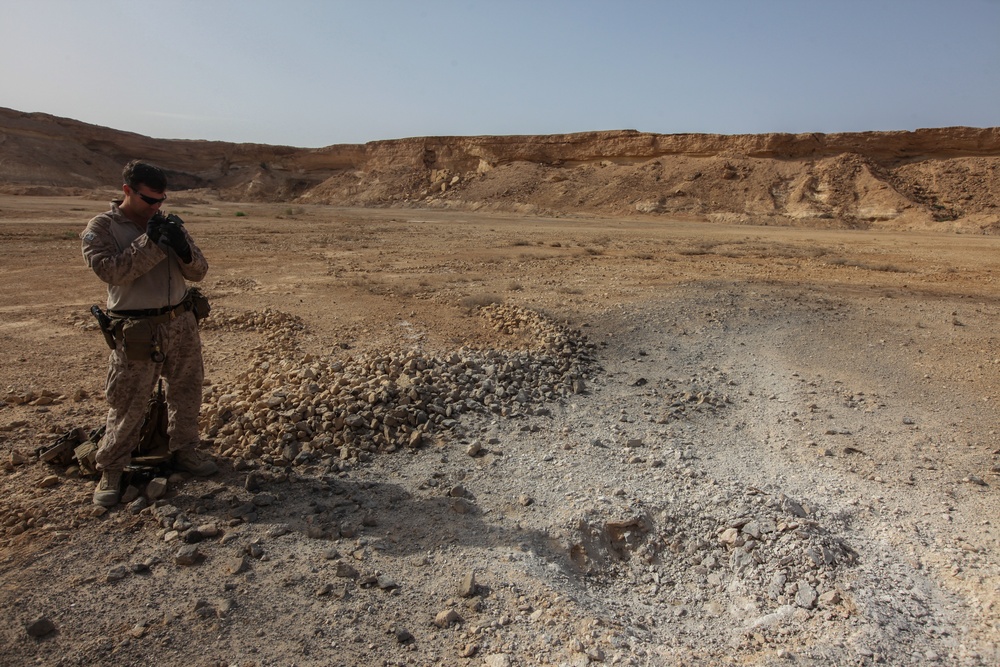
(295, 408)
(768, 552)
(281, 329)
(683, 403)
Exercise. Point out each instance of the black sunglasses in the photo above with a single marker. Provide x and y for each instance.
(152, 201)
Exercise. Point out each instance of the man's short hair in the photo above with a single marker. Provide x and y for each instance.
(138, 173)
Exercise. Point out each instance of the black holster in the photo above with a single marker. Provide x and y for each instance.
(106, 325)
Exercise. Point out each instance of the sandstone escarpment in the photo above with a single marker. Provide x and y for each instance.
(941, 178)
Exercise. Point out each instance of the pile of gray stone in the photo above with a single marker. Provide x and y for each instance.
(291, 407)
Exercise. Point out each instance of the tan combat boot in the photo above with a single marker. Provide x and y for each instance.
(107, 492)
(195, 462)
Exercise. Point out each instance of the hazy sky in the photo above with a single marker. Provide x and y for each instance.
(313, 73)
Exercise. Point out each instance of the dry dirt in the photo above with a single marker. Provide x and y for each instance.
(782, 449)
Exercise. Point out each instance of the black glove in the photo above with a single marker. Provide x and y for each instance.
(154, 228)
(176, 239)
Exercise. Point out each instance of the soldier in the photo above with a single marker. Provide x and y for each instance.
(146, 259)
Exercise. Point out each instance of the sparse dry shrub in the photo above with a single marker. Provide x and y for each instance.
(888, 268)
(515, 287)
(405, 289)
(369, 285)
(865, 266)
(702, 248)
(693, 251)
(786, 252)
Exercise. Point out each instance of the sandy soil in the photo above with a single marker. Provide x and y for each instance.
(780, 446)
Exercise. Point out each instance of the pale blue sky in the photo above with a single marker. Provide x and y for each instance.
(312, 73)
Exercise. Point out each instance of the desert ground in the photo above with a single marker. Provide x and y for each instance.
(461, 438)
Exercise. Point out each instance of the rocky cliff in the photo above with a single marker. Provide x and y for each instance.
(942, 178)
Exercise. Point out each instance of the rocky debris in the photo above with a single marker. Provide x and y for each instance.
(279, 530)
(253, 482)
(137, 505)
(446, 618)
(48, 481)
(281, 329)
(768, 548)
(346, 571)
(208, 530)
(681, 403)
(204, 609)
(16, 521)
(40, 627)
(296, 409)
(156, 488)
(237, 565)
(140, 568)
(468, 587)
(129, 495)
(401, 634)
(188, 555)
(32, 398)
(386, 583)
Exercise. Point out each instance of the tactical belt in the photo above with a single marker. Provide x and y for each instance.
(155, 315)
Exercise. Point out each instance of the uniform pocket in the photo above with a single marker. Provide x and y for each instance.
(199, 304)
(138, 340)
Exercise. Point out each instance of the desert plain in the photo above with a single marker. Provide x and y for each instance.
(600, 398)
(728, 444)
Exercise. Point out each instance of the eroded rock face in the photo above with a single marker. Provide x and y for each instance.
(939, 178)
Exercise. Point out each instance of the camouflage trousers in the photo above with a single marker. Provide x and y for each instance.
(130, 384)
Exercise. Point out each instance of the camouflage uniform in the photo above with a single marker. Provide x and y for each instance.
(143, 275)
(130, 384)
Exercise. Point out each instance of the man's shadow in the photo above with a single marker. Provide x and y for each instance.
(383, 515)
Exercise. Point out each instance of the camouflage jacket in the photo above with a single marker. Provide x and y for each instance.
(140, 274)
